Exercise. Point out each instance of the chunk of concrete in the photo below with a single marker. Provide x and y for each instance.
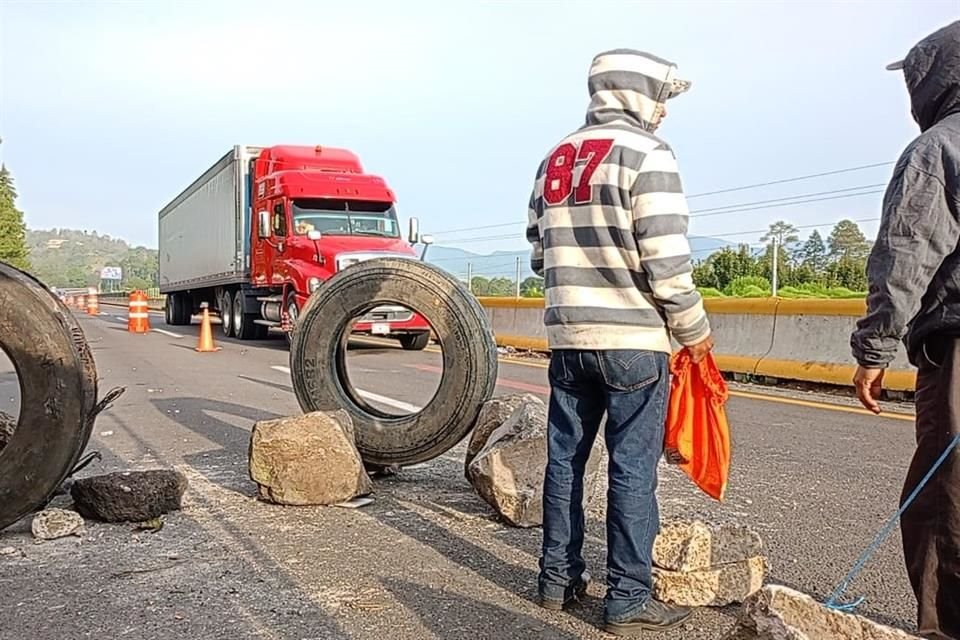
(778, 613)
(492, 415)
(56, 523)
(8, 425)
(686, 546)
(508, 472)
(718, 587)
(129, 496)
(310, 459)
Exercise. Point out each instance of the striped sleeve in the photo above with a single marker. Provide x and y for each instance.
(533, 234)
(660, 218)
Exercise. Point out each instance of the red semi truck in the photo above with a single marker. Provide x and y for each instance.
(262, 228)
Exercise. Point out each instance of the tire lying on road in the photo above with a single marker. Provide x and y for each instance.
(58, 388)
(318, 357)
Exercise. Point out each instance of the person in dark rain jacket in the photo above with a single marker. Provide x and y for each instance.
(914, 274)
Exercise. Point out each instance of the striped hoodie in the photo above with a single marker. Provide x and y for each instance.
(607, 219)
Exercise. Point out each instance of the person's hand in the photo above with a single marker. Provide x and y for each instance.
(700, 350)
(869, 383)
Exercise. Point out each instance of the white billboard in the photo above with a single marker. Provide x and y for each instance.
(111, 273)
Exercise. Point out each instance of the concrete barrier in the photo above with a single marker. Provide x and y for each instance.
(801, 340)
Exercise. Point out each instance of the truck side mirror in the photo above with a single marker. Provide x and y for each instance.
(414, 236)
(263, 219)
(314, 235)
(426, 239)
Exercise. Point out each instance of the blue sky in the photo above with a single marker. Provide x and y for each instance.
(109, 109)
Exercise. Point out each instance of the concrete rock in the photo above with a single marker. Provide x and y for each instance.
(778, 613)
(508, 472)
(307, 460)
(717, 587)
(492, 415)
(698, 546)
(129, 496)
(56, 523)
(8, 425)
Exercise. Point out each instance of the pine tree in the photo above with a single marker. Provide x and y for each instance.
(13, 231)
(814, 253)
(847, 241)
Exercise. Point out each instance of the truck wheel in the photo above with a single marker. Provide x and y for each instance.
(243, 325)
(318, 357)
(226, 314)
(415, 341)
(294, 312)
(184, 310)
(58, 386)
(176, 309)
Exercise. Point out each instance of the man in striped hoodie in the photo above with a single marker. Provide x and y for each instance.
(608, 223)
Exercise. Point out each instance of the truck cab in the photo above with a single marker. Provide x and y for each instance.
(316, 213)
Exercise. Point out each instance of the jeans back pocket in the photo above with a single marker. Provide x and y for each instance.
(631, 369)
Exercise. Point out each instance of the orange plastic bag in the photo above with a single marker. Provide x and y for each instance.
(697, 433)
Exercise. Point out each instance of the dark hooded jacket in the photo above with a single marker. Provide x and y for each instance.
(914, 268)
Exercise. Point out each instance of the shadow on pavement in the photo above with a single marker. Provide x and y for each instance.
(227, 466)
(200, 576)
(449, 614)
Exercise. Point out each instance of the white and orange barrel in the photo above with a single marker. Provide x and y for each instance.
(93, 302)
(138, 316)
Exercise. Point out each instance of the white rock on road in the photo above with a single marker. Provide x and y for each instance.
(56, 523)
(716, 587)
(492, 415)
(508, 472)
(307, 460)
(698, 546)
(778, 613)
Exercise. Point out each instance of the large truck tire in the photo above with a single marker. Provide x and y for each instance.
(415, 341)
(178, 309)
(58, 387)
(318, 358)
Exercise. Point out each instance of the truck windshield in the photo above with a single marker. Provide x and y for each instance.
(345, 218)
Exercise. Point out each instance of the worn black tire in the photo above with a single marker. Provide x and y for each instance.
(58, 386)
(177, 310)
(318, 358)
(415, 341)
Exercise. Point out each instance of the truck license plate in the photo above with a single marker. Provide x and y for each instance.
(381, 329)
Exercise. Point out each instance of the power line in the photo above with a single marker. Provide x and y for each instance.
(788, 204)
(730, 190)
(796, 179)
(701, 213)
(801, 198)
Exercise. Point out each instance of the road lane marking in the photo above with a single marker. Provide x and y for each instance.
(818, 405)
(369, 395)
(746, 395)
(501, 382)
(390, 402)
(168, 333)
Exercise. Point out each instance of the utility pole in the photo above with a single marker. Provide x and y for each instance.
(776, 266)
(518, 277)
(470, 277)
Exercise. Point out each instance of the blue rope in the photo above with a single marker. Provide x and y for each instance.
(891, 524)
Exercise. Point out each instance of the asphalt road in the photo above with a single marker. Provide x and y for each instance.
(428, 559)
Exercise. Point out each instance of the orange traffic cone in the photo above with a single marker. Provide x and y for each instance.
(93, 303)
(205, 344)
(138, 315)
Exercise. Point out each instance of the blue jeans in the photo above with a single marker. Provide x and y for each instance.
(632, 388)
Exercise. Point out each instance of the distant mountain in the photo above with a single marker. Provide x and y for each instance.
(71, 258)
(503, 264)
